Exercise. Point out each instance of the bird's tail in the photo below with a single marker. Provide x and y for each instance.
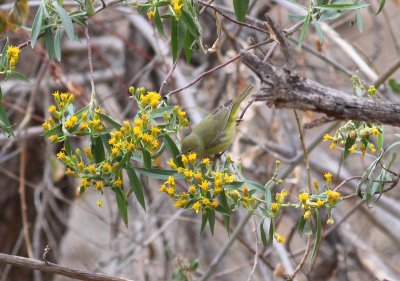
(241, 97)
(244, 94)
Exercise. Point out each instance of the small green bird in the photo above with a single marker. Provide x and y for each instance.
(216, 132)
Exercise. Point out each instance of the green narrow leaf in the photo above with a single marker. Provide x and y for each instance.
(349, 143)
(255, 185)
(378, 185)
(227, 223)
(304, 30)
(146, 158)
(122, 204)
(190, 23)
(36, 26)
(271, 232)
(203, 221)
(264, 238)
(66, 21)
(136, 187)
(18, 75)
(359, 21)
(110, 121)
(162, 3)
(187, 45)
(105, 137)
(241, 7)
(3, 57)
(394, 85)
(317, 235)
(5, 125)
(236, 185)
(342, 7)
(322, 2)
(49, 43)
(57, 130)
(67, 147)
(222, 210)
(211, 219)
(300, 225)
(89, 7)
(181, 35)
(223, 200)
(159, 112)
(319, 32)
(158, 23)
(98, 149)
(381, 6)
(380, 139)
(160, 174)
(268, 199)
(174, 39)
(57, 44)
(173, 150)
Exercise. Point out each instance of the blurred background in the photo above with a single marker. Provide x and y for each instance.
(164, 240)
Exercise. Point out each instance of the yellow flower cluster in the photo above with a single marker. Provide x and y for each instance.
(314, 201)
(90, 170)
(205, 184)
(328, 177)
(84, 123)
(309, 203)
(62, 100)
(150, 14)
(359, 135)
(140, 133)
(151, 98)
(182, 119)
(279, 200)
(12, 56)
(332, 196)
(143, 133)
(279, 238)
(177, 7)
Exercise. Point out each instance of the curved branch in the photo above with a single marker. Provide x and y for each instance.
(283, 88)
(56, 269)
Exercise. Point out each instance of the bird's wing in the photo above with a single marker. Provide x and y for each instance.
(217, 121)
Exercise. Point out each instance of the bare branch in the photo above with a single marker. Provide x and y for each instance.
(56, 269)
(282, 88)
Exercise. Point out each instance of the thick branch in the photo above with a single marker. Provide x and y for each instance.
(55, 268)
(283, 88)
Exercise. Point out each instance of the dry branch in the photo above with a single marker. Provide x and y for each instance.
(56, 269)
(283, 88)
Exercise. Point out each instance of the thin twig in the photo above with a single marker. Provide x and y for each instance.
(167, 77)
(204, 6)
(256, 254)
(233, 20)
(387, 74)
(303, 260)
(201, 76)
(22, 194)
(346, 181)
(56, 269)
(270, 51)
(305, 151)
